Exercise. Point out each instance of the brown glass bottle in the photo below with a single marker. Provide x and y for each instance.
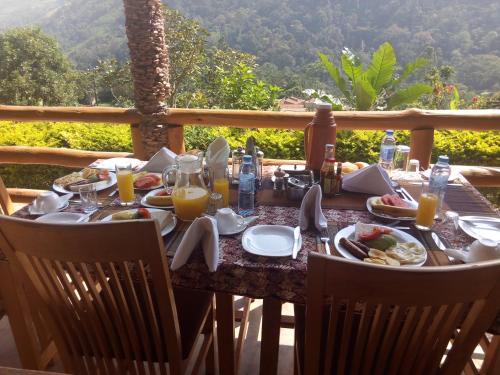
(327, 178)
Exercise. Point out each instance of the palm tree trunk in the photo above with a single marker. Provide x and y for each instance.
(150, 71)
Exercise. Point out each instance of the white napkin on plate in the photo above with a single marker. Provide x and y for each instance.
(203, 230)
(159, 161)
(370, 180)
(310, 210)
(217, 154)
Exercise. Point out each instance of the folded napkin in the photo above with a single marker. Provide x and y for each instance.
(203, 230)
(310, 210)
(159, 161)
(217, 154)
(370, 180)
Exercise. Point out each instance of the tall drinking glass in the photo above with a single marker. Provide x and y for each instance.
(427, 205)
(88, 198)
(219, 182)
(125, 183)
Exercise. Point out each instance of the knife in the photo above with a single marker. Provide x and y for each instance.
(296, 237)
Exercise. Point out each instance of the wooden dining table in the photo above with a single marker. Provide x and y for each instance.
(282, 279)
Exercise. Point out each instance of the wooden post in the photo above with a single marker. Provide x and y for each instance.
(421, 142)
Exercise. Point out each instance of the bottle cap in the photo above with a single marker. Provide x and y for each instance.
(443, 159)
(324, 105)
(389, 132)
(247, 158)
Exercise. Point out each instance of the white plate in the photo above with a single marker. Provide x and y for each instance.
(269, 240)
(153, 192)
(387, 216)
(110, 164)
(101, 185)
(60, 208)
(156, 214)
(158, 185)
(400, 236)
(481, 227)
(62, 217)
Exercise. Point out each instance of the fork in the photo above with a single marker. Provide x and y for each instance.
(325, 238)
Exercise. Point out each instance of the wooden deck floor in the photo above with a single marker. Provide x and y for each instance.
(249, 362)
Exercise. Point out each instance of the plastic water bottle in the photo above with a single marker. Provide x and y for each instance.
(439, 179)
(246, 192)
(387, 149)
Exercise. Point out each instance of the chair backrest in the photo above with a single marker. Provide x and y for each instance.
(105, 289)
(389, 320)
(5, 201)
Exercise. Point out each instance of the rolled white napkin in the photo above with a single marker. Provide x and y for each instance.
(370, 180)
(204, 230)
(159, 161)
(310, 210)
(218, 154)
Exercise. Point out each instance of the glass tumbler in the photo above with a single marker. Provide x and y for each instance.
(427, 206)
(125, 183)
(88, 198)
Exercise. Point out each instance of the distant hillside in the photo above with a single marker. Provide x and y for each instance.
(22, 12)
(288, 33)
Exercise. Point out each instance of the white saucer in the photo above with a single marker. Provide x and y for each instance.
(269, 240)
(62, 217)
(32, 211)
(481, 227)
(238, 228)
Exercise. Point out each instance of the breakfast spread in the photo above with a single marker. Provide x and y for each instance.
(83, 177)
(146, 180)
(375, 244)
(393, 205)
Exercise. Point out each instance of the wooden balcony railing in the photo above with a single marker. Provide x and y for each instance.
(421, 124)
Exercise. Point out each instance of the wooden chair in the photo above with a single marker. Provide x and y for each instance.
(367, 319)
(5, 201)
(105, 291)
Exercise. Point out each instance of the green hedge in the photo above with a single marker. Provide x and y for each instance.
(463, 147)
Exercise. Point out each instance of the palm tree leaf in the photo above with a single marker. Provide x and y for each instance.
(365, 94)
(409, 68)
(351, 65)
(408, 94)
(335, 74)
(380, 70)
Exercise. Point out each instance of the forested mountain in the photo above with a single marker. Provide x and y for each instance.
(288, 33)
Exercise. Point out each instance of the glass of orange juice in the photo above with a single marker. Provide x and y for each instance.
(427, 205)
(219, 182)
(125, 183)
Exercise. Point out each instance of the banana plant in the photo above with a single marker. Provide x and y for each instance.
(376, 86)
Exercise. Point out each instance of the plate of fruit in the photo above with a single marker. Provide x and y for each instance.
(71, 183)
(392, 207)
(158, 198)
(147, 181)
(380, 245)
(165, 219)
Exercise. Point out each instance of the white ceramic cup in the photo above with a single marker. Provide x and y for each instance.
(227, 219)
(483, 249)
(47, 202)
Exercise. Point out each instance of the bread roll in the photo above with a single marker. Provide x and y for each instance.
(348, 167)
(361, 164)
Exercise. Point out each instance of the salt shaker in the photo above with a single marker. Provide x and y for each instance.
(237, 160)
(279, 180)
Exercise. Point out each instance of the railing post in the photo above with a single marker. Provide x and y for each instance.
(421, 143)
(137, 145)
(175, 134)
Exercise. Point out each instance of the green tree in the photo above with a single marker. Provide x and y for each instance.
(33, 70)
(376, 86)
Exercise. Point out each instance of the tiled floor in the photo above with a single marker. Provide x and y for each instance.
(249, 363)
